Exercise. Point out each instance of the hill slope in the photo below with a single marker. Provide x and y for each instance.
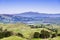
(30, 17)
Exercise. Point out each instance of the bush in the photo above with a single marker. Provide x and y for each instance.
(58, 34)
(36, 35)
(53, 35)
(44, 34)
(1, 35)
(7, 33)
(19, 34)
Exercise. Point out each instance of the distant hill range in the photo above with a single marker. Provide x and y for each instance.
(30, 18)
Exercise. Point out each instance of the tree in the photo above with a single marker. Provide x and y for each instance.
(44, 34)
(36, 35)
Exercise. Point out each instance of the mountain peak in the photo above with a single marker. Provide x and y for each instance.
(30, 13)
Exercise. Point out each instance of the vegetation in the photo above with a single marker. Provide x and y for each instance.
(20, 31)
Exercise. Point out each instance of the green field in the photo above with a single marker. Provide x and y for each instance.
(26, 31)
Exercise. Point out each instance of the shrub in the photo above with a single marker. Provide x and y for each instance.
(58, 34)
(53, 35)
(7, 33)
(36, 35)
(44, 34)
(1, 35)
(19, 34)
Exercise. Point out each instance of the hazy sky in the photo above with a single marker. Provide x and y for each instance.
(20, 6)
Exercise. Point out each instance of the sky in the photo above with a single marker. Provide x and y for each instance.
(20, 6)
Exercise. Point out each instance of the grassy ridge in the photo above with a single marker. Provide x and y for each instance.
(25, 30)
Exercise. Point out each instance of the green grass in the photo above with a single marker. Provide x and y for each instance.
(56, 38)
(13, 38)
(25, 30)
(36, 39)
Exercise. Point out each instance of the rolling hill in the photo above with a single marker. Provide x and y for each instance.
(30, 18)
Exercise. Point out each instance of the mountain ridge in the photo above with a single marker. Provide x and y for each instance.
(28, 17)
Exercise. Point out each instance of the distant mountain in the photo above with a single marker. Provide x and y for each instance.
(30, 18)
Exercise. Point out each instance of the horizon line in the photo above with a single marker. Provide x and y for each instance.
(29, 11)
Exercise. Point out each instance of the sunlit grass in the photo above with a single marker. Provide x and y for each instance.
(13, 38)
(23, 29)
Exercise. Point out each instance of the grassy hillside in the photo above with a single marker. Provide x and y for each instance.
(13, 38)
(26, 31)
